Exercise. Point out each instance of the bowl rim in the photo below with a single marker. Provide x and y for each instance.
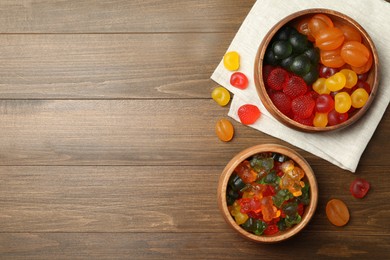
(244, 154)
(258, 71)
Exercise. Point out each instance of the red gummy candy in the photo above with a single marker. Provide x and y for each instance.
(335, 118)
(295, 87)
(271, 229)
(303, 106)
(359, 188)
(239, 80)
(304, 121)
(248, 114)
(324, 103)
(277, 78)
(281, 101)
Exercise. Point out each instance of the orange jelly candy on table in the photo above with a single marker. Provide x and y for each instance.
(332, 58)
(359, 98)
(363, 69)
(303, 28)
(337, 212)
(355, 53)
(350, 33)
(319, 22)
(224, 130)
(329, 38)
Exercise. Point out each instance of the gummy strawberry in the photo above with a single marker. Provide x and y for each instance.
(248, 114)
(303, 106)
(295, 87)
(267, 70)
(277, 78)
(281, 101)
(304, 121)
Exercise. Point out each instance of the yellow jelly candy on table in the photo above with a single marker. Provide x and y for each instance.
(336, 82)
(231, 60)
(319, 86)
(359, 98)
(320, 119)
(350, 76)
(221, 95)
(342, 102)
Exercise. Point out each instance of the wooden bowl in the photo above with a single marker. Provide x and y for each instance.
(373, 77)
(299, 161)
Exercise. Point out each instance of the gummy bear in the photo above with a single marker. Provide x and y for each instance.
(268, 209)
(291, 179)
(246, 173)
(239, 217)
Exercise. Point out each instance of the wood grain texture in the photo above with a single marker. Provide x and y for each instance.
(326, 245)
(159, 199)
(106, 66)
(130, 132)
(107, 143)
(113, 16)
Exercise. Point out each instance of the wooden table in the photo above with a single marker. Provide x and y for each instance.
(107, 143)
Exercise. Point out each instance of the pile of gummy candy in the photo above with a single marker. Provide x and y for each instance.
(315, 71)
(266, 193)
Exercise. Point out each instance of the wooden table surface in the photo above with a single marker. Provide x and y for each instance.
(107, 143)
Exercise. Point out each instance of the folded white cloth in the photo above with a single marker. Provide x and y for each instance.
(342, 148)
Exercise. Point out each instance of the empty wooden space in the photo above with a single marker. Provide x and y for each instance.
(107, 143)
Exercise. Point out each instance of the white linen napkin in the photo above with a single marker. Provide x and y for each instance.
(342, 148)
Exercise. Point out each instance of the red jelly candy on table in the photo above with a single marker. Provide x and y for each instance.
(324, 103)
(277, 78)
(239, 80)
(303, 106)
(326, 72)
(335, 118)
(281, 101)
(248, 114)
(295, 87)
(359, 188)
(271, 229)
(304, 121)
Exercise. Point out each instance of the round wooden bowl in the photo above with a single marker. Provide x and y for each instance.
(373, 75)
(309, 176)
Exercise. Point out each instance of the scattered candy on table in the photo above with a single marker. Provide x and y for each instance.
(337, 212)
(248, 114)
(267, 193)
(231, 60)
(224, 130)
(359, 188)
(239, 80)
(221, 95)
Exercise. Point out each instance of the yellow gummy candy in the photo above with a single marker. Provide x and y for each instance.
(231, 60)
